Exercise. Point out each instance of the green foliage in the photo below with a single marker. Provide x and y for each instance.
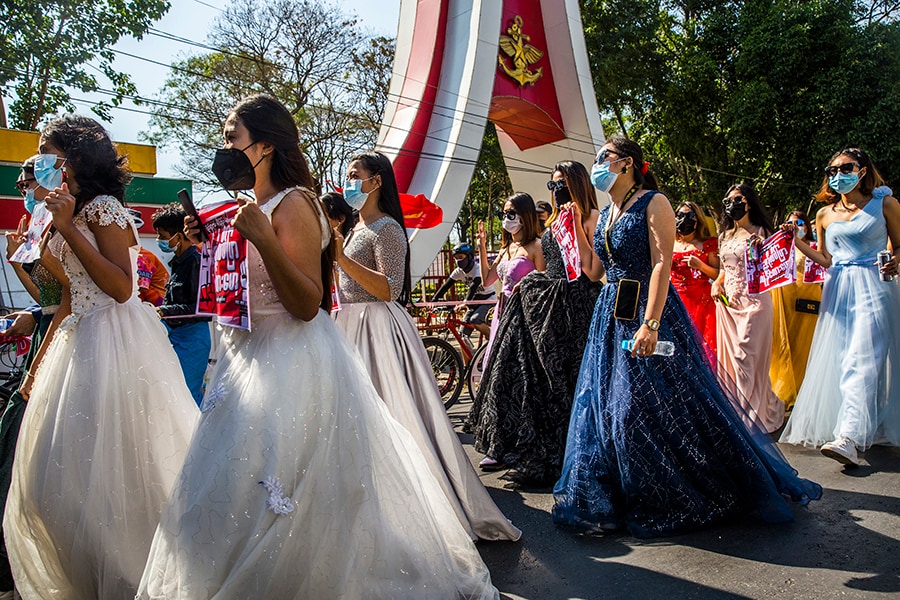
(46, 46)
(762, 91)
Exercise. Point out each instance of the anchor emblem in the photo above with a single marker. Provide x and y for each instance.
(523, 54)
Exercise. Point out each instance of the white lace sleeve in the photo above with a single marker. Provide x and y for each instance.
(106, 210)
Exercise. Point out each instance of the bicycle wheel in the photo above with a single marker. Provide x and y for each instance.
(447, 364)
(476, 370)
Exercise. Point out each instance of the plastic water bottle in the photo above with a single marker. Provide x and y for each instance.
(5, 324)
(663, 347)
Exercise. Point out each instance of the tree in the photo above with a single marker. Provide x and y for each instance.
(315, 70)
(47, 46)
(760, 91)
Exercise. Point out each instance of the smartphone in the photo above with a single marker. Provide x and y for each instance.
(627, 296)
(191, 211)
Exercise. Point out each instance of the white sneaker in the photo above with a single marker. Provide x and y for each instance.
(842, 450)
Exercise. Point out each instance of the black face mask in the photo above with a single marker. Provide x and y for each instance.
(685, 223)
(234, 170)
(562, 196)
(736, 211)
(466, 263)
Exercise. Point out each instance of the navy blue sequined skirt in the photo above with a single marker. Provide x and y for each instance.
(655, 444)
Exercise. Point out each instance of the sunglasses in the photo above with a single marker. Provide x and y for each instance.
(509, 215)
(733, 200)
(22, 184)
(797, 222)
(604, 154)
(685, 215)
(845, 168)
(556, 185)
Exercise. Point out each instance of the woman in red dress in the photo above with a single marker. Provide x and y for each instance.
(695, 264)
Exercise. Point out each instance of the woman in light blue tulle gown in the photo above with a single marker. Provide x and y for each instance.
(655, 444)
(850, 397)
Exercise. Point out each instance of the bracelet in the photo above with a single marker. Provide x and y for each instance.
(28, 374)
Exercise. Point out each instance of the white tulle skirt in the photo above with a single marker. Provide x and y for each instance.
(398, 364)
(102, 441)
(299, 484)
(852, 382)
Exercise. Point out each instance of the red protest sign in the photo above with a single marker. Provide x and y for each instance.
(224, 292)
(813, 272)
(772, 265)
(563, 229)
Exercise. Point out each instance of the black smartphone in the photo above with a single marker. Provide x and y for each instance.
(627, 296)
(188, 205)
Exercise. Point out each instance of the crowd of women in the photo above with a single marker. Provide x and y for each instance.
(321, 463)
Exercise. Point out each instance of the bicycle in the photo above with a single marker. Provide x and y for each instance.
(453, 367)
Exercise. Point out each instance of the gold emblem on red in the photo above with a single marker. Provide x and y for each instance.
(516, 46)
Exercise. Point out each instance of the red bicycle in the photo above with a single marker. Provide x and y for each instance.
(453, 365)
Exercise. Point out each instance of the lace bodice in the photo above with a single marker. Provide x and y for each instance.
(380, 246)
(556, 268)
(512, 270)
(732, 248)
(264, 299)
(87, 295)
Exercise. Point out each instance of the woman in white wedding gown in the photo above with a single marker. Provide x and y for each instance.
(298, 483)
(109, 417)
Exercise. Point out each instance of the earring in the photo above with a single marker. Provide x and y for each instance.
(625, 169)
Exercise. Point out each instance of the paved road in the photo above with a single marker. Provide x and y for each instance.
(846, 545)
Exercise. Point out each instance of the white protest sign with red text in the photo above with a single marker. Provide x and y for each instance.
(30, 250)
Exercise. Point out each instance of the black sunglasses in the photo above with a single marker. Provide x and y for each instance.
(845, 168)
(733, 200)
(22, 184)
(601, 158)
(509, 214)
(556, 185)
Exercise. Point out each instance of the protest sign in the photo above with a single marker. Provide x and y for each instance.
(224, 287)
(772, 264)
(563, 230)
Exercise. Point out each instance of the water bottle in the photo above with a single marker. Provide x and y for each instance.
(663, 347)
(5, 324)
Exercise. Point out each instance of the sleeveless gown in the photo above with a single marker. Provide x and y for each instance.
(744, 337)
(298, 483)
(103, 436)
(654, 443)
(852, 383)
(693, 288)
(396, 360)
(528, 387)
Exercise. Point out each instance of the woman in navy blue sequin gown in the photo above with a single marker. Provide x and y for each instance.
(654, 443)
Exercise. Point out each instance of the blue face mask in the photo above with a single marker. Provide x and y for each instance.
(843, 183)
(164, 245)
(30, 201)
(353, 194)
(46, 173)
(602, 178)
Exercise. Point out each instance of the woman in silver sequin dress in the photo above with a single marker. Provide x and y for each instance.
(374, 287)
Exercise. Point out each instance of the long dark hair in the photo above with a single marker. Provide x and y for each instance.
(758, 214)
(267, 120)
(337, 208)
(868, 182)
(377, 163)
(624, 147)
(531, 228)
(583, 193)
(96, 166)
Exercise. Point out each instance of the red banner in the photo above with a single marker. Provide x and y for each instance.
(563, 229)
(813, 272)
(771, 265)
(224, 292)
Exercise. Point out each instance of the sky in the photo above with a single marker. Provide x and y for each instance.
(191, 19)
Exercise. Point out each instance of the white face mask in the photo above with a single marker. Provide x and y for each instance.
(801, 232)
(512, 225)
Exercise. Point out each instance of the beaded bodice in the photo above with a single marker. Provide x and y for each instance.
(86, 294)
(381, 246)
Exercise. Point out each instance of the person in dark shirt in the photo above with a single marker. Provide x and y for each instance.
(467, 270)
(190, 335)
